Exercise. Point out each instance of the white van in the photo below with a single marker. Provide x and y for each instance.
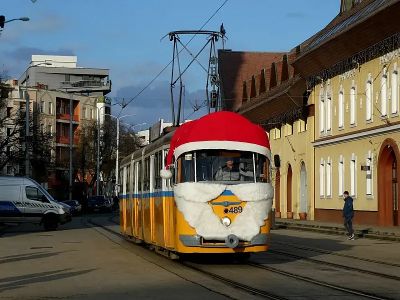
(23, 200)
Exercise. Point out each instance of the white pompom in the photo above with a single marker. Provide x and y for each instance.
(165, 174)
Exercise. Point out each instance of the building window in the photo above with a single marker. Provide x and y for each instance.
(50, 108)
(384, 93)
(353, 108)
(42, 107)
(50, 128)
(322, 179)
(341, 175)
(84, 112)
(321, 112)
(395, 92)
(369, 174)
(91, 114)
(42, 127)
(328, 113)
(341, 109)
(67, 77)
(288, 129)
(302, 126)
(368, 99)
(329, 178)
(353, 175)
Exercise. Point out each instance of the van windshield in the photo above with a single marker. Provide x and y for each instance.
(44, 191)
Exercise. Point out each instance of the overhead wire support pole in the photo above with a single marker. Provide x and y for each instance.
(180, 87)
(172, 84)
(187, 67)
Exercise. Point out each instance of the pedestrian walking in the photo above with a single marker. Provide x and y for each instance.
(348, 214)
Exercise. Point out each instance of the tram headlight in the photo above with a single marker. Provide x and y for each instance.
(226, 221)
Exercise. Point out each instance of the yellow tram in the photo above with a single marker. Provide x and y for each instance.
(204, 188)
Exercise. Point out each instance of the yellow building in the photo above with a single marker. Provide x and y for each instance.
(351, 68)
(264, 88)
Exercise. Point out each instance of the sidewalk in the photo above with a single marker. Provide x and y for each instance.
(366, 231)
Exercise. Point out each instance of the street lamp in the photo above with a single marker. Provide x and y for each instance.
(24, 19)
(3, 20)
(117, 155)
(27, 110)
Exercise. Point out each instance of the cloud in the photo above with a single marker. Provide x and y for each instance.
(25, 53)
(19, 58)
(154, 102)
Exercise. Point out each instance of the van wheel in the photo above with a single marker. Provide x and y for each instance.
(50, 223)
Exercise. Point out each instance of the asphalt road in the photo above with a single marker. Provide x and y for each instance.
(86, 261)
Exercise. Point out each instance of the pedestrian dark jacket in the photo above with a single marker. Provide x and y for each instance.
(348, 211)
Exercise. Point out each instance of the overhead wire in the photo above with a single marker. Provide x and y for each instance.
(163, 69)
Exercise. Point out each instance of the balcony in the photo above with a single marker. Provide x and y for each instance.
(65, 140)
(86, 85)
(66, 117)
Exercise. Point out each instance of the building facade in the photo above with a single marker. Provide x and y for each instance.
(51, 100)
(355, 89)
(332, 116)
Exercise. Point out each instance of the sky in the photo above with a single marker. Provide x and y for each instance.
(126, 37)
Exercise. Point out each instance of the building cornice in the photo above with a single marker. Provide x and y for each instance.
(361, 134)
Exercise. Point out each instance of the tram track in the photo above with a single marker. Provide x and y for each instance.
(335, 265)
(318, 282)
(268, 295)
(237, 285)
(323, 251)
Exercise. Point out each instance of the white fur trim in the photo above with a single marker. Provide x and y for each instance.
(198, 192)
(227, 145)
(252, 191)
(192, 200)
(165, 174)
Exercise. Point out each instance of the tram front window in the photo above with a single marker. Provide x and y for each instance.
(223, 166)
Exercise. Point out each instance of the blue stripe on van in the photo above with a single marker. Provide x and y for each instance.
(8, 209)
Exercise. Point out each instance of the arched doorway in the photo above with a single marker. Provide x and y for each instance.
(278, 194)
(289, 193)
(303, 192)
(388, 168)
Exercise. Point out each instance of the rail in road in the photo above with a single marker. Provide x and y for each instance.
(235, 276)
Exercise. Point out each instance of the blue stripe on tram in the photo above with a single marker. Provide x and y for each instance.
(149, 195)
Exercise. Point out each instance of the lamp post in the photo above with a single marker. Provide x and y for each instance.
(27, 110)
(117, 152)
(3, 20)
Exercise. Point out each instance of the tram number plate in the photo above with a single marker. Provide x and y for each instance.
(235, 210)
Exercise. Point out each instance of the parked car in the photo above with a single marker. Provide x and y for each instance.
(76, 207)
(99, 203)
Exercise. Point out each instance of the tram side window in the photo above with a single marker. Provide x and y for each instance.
(120, 179)
(140, 176)
(157, 168)
(146, 177)
(186, 168)
(263, 172)
(128, 178)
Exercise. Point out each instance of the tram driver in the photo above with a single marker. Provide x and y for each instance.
(232, 171)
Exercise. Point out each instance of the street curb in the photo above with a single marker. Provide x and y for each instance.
(362, 233)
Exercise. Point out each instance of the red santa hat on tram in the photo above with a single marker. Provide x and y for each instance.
(220, 130)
